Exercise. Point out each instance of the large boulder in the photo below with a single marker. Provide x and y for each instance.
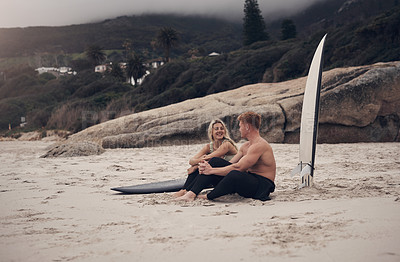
(187, 122)
(358, 104)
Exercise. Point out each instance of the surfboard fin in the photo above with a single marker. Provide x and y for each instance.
(296, 170)
(306, 177)
(305, 174)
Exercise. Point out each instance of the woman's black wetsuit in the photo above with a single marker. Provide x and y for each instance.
(246, 184)
(195, 184)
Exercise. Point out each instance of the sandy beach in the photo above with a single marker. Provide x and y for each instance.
(62, 209)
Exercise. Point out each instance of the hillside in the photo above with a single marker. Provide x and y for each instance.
(334, 14)
(360, 43)
(77, 102)
(211, 34)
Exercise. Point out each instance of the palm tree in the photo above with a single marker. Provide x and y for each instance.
(167, 37)
(135, 68)
(116, 72)
(128, 47)
(95, 54)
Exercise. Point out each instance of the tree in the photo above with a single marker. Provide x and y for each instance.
(95, 55)
(166, 39)
(253, 23)
(128, 47)
(80, 64)
(135, 68)
(288, 29)
(116, 72)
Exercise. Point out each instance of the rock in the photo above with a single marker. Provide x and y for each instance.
(30, 136)
(358, 104)
(74, 149)
(187, 122)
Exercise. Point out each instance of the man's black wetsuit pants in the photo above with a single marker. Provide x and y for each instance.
(246, 184)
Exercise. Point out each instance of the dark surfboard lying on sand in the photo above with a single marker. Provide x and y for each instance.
(156, 187)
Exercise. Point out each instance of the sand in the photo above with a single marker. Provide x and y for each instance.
(62, 209)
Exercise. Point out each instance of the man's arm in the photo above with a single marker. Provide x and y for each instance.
(250, 159)
(238, 156)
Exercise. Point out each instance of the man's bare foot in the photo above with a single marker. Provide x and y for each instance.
(204, 196)
(179, 193)
(189, 196)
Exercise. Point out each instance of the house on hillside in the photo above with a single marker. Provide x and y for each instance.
(56, 71)
(122, 65)
(101, 69)
(42, 70)
(64, 70)
(214, 54)
(23, 122)
(155, 63)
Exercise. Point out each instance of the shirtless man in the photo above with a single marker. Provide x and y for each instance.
(250, 173)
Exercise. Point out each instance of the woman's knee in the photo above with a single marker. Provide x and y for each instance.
(218, 162)
(214, 160)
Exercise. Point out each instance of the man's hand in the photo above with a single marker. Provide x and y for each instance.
(205, 168)
(204, 158)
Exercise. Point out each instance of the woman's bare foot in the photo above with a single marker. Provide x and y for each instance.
(204, 196)
(189, 196)
(179, 193)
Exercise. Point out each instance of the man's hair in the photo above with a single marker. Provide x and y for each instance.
(251, 118)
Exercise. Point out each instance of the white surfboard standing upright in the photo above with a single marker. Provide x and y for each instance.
(309, 119)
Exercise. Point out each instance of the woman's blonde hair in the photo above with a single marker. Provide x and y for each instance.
(210, 133)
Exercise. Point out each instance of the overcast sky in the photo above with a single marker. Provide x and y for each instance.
(23, 13)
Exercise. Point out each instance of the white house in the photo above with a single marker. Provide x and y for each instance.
(56, 71)
(122, 65)
(214, 54)
(64, 70)
(156, 64)
(23, 122)
(42, 70)
(100, 68)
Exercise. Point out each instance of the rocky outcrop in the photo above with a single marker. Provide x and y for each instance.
(74, 149)
(358, 104)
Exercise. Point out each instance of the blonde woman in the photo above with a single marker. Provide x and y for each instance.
(221, 145)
